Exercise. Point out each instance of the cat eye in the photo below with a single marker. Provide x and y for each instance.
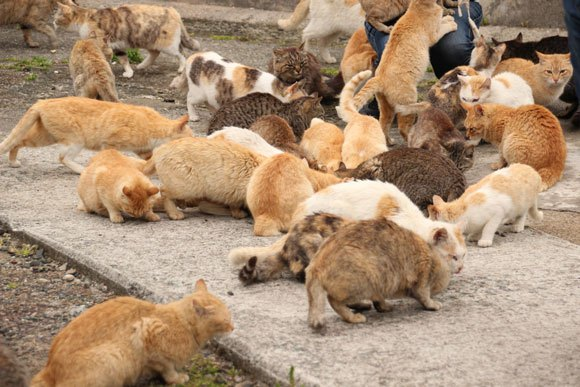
(563, 71)
(548, 71)
(455, 258)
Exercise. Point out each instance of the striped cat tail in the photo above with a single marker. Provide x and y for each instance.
(347, 108)
(299, 14)
(187, 41)
(31, 117)
(241, 255)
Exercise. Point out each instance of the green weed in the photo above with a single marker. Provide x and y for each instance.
(329, 71)
(34, 63)
(25, 250)
(133, 54)
(12, 285)
(31, 77)
(429, 69)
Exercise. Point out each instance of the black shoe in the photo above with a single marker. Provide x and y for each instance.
(575, 120)
(371, 109)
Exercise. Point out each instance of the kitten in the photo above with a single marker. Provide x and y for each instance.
(485, 57)
(200, 169)
(154, 28)
(363, 136)
(119, 340)
(528, 134)
(546, 78)
(505, 88)
(276, 188)
(358, 55)
(113, 184)
(12, 372)
(434, 131)
(278, 133)
(419, 173)
(405, 59)
(247, 138)
(377, 259)
(322, 142)
(506, 195)
(90, 70)
(243, 112)
(87, 123)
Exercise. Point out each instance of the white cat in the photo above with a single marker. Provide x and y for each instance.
(245, 137)
(505, 89)
(507, 195)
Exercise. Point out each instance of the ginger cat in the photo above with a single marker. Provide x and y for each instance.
(323, 141)
(363, 137)
(378, 259)
(87, 123)
(276, 188)
(504, 88)
(358, 55)
(528, 134)
(546, 78)
(116, 342)
(113, 184)
(90, 70)
(247, 138)
(506, 195)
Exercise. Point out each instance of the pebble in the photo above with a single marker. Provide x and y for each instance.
(62, 267)
(230, 293)
(71, 271)
(42, 281)
(68, 277)
(76, 310)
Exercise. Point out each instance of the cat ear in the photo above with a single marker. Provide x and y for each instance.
(487, 83)
(462, 78)
(200, 286)
(478, 110)
(495, 41)
(342, 166)
(480, 41)
(278, 51)
(182, 122)
(567, 56)
(127, 191)
(301, 47)
(152, 191)
(500, 49)
(438, 200)
(519, 38)
(93, 35)
(433, 213)
(440, 235)
(541, 56)
(252, 262)
(63, 8)
(314, 95)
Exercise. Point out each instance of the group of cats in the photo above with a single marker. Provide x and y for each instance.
(351, 208)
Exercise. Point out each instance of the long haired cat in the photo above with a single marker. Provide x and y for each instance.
(363, 137)
(201, 169)
(323, 143)
(419, 173)
(247, 138)
(358, 55)
(243, 112)
(507, 195)
(505, 88)
(113, 184)
(87, 123)
(116, 342)
(278, 133)
(276, 188)
(528, 134)
(154, 28)
(434, 131)
(485, 57)
(90, 69)
(377, 259)
(405, 59)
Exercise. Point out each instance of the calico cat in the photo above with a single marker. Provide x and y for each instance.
(87, 123)
(363, 137)
(119, 340)
(200, 169)
(506, 195)
(276, 188)
(247, 138)
(405, 59)
(90, 70)
(485, 57)
(377, 259)
(113, 184)
(154, 28)
(12, 372)
(358, 55)
(323, 142)
(243, 112)
(419, 173)
(505, 88)
(528, 134)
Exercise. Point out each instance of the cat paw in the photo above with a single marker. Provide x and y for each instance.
(448, 18)
(116, 218)
(284, 24)
(152, 217)
(15, 164)
(128, 74)
(329, 59)
(33, 44)
(238, 213)
(447, 12)
(496, 166)
(484, 242)
(182, 378)
(382, 306)
(357, 318)
(434, 305)
(177, 215)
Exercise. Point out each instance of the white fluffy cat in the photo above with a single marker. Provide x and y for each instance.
(505, 89)
(245, 137)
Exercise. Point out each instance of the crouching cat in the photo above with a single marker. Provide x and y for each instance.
(508, 194)
(247, 138)
(116, 342)
(377, 259)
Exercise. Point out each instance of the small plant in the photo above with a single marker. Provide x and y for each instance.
(12, 285)
(291, 378)
(485, 21)
(31, 77)
(134, 55)
(34, 63)
(329, 71)
(25, 250)
(224, 37)
(429, 69)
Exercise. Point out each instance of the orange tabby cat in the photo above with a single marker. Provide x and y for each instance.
(87, 123)
(113, 184)
(323, 142)
(529, 134)
(358, 55)
(116, 342)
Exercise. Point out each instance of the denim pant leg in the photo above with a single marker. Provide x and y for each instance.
(378, 40)
(572, 18)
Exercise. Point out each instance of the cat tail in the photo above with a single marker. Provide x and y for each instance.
(107, 92)
(549, 177)
(241, 255)
(534, 212)
(316, 299)
(299, 14)
(412, 108)
(42, 379)
(347, 109)
(31, 117)
(333, 86)
(187, 41)
(149, 167)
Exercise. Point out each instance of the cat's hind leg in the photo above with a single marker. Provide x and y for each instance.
(422, 293)
(124, 60)
(519, 223)
(194, 96)
(382, 306)
(535, 213)
(489, 229)
(265, 226)
(27, 34)
(12, 157)
(499, 164)
(44, 28)
(324, 44)
(387, 113)
(345, 312)
(68, 155)
(170, 208)
(148, 61)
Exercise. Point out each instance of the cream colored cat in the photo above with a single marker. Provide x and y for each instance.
(247, 138)
(358, 55)
(87, 123)
(322, 142)
(507, 195)
(504, 88)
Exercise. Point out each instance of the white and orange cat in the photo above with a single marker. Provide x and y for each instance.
(83, 123)
(247, 138)
(504, 88)
(507, 195)
(118, 341)
(113, 184)
(322, 142)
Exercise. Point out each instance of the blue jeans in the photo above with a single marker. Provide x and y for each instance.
(452, 50)
(572, 18)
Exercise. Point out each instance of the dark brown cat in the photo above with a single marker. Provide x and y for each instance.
(278, 133)
(242, 112)
(417, 172)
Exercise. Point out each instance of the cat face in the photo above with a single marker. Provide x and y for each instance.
(475, 122)
(448, 242)
(556, 68)
(289, 64)
(461, 154)
(210, 311)
(137, 200)
(474, 89)
(67, 17)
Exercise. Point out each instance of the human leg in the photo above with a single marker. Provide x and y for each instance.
(572, 19)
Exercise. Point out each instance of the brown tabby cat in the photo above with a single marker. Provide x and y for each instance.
(485, 57)
(243, 112)
(529, 134)
(278, 133)
(358, 55)
(12, 372)
(434, 131)
(375, 260)
(116, 342)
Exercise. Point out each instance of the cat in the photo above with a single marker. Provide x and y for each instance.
(243, 112)
(418, 173)
(247, 138)
(434, 131)
(90, 70)
(505, 88)
(119, 340)
(506, 195)
(210, 78)
(328, 20)
(154, 28)
(363, 136)
(528, 134)
(378, 259)
(546, 78)
(87, 123)
(405, 59)
(12, 372)
(278, 133)
(195, 170)
(322, 142)
(113, 184)
(276, 188)
(485, 57)
(358, 55)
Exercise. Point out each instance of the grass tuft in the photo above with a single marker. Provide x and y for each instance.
(34, 63)
(329, 71)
